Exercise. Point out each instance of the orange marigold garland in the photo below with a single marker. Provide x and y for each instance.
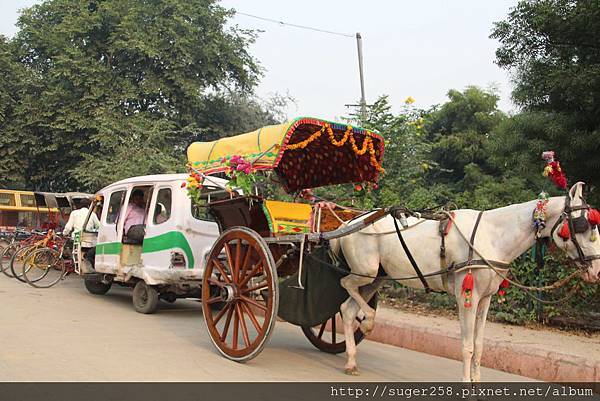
(374, 161)
(341, 142)
(307, 141)
(367, 144)
(364, 148)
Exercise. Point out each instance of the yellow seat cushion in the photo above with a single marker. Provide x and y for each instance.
(287, 217)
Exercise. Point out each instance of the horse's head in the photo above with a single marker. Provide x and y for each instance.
(575, 234)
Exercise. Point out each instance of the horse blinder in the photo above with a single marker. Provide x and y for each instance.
(580, 224)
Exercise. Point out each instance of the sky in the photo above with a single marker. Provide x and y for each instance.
(420, 49)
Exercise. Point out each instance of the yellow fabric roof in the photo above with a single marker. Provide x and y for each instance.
(320, 161)
(261, 146)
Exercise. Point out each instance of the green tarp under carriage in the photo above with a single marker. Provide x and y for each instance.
(322, 294)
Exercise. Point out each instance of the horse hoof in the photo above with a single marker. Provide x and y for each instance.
(351, 371)
(366, 326)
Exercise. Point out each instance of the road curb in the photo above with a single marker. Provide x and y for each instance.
(529, 361)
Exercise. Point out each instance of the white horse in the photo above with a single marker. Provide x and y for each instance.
(502, 235)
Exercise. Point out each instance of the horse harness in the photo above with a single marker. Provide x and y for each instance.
(577, 225)
(445, 225)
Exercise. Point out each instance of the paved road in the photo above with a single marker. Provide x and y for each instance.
(65, 334)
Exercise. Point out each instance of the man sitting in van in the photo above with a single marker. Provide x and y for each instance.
(77, 218)
(136, 213)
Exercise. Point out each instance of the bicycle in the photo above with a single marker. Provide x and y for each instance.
(40, 263)
(17, 261)
(19, 239)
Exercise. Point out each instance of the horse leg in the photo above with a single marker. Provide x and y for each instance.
(467, 331)
(349, 311)
(480, 319)
(352, 283)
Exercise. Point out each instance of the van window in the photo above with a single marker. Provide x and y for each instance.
(208, 194)
(162, 210)
(114, 206)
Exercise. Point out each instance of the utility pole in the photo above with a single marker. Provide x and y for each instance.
(363, 102)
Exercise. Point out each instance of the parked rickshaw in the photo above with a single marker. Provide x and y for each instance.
(258, 268)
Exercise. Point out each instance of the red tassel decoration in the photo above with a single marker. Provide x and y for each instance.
(564, 232)
(467, 289)
(594, 217)
(502, 291)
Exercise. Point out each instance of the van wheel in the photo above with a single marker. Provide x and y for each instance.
(145, 298)
(95, 286)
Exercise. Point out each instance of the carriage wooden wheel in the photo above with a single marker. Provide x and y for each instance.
(326, 336)
(240, 294)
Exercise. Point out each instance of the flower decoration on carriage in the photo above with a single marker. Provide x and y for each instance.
(241, 173)
(193, 184)
(301, 153)
(553, 170)
(308, 195)
(348, 136)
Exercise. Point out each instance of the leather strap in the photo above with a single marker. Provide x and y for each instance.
(472, 242)
(479, 262)
(410, 258)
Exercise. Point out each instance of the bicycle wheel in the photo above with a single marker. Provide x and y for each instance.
(17, 265)
(6, 257)
(45, 268)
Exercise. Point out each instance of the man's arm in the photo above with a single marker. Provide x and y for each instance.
(70, 223)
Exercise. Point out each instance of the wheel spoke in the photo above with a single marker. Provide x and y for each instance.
(242, 272)
(214, 299)
(250, 275)
(333, 329)
(255, 288)
(220, 314)
(322, 330)
(221, 269)
(235, 331)
(238, 257)
(230, 261)
(251, 316)
(227, 322)
(253, 302)
(214, 281)
(245, 335)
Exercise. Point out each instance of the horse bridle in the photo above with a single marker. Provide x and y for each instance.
(576, 226)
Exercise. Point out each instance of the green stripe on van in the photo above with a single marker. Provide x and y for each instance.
(109, 248)
(163, 242)
(172, 239)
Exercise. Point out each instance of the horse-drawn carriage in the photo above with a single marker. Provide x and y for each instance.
(260, 262)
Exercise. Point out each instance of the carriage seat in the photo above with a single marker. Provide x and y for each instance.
(287, 217)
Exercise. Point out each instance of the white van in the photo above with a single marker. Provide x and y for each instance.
(163, 256)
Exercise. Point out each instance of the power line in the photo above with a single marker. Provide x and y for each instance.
(348, 35)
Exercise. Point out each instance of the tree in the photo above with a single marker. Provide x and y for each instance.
(459, 130)
(13, 145)
(553, 49)
(120, 85)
